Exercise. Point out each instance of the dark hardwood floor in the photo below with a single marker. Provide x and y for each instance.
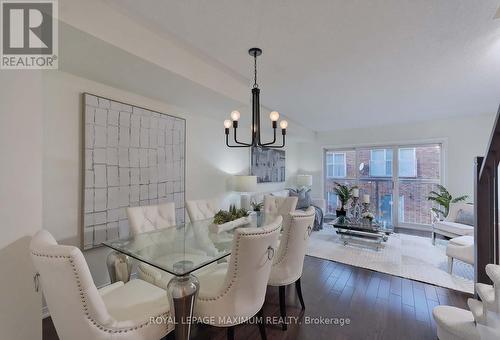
(378, 306)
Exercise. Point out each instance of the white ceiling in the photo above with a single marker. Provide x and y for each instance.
(333, 64)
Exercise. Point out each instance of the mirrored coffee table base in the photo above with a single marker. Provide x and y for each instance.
(372, 239)
(356, 232)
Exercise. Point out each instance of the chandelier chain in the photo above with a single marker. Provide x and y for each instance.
(255, 70)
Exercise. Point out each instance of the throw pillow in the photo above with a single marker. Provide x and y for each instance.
(465, 217)
(304, 197)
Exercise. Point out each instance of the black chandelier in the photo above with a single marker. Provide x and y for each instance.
(235, 116)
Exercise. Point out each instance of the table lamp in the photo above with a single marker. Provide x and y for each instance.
(245, 185)
(304, 181)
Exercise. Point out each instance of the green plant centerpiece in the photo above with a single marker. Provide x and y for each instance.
(224, 216)
(344, 194)
(443, 198)
(257, 206)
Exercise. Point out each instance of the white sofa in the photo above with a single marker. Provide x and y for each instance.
(259, 197)
(448, 227)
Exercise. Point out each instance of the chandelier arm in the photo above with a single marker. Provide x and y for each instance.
(235, 146)
(274, 140)
(274, 146)
(240, 143)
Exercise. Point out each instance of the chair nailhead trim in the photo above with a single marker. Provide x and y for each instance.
(84, 301)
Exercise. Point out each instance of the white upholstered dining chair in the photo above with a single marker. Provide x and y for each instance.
(80, 311)
(202, 209)
(151, 217)
(289, 260)
(231, 293)
(284, 206)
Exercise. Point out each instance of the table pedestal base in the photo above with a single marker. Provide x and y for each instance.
(119, 267)
(182, 293)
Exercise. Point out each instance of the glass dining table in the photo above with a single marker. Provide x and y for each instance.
(181, 251)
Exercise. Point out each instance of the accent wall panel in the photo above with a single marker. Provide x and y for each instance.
(133, 156)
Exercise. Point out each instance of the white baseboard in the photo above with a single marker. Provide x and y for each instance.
(45, 312)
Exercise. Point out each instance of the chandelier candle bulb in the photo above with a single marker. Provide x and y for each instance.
(274, 116)
(227, 125)
(235, 116)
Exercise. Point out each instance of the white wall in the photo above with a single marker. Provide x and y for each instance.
(21, 201)
(464, 138)
(209, 163)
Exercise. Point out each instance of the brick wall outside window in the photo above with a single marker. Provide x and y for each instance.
(413, 192)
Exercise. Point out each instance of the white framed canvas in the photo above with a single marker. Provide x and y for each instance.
(269, 165)
(132, 156)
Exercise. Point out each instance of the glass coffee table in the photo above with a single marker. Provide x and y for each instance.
(365, 234)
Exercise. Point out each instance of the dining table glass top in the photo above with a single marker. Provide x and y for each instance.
(185, 248)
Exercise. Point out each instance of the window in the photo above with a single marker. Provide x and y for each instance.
(331, 202)
(396, 197)
(336, 165)
(407, 162)
(381, 163)
(419, 172)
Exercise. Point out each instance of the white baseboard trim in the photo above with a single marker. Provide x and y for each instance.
(45, 309)
(45, 312)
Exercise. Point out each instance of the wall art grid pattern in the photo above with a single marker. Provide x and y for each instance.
(133, 156)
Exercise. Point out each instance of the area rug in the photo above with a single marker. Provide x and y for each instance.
(408, 256)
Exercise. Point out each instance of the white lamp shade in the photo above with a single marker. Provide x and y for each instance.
(245, 183)
(304, 180)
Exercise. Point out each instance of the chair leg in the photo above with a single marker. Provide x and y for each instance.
(282, 307)
(262, 324)
(299, 293)
(230, 333)
(450, 264)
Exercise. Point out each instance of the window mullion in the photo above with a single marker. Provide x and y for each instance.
(395, 186)
(356, 165)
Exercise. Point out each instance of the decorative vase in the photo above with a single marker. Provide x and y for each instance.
(259, 218)
(341, 213)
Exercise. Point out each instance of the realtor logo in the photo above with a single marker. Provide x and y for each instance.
(29, 35)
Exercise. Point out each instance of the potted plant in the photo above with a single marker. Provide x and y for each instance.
(228, 216)
(344, 193)
(443, 198)
(226, 220)
(257, 207)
